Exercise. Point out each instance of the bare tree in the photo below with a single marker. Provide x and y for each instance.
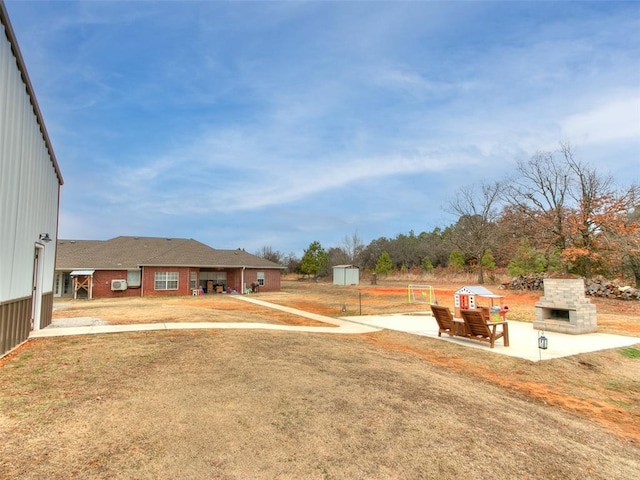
(592, 194)
(353, 248)
(572, 208)
(631, 240)
(268, 253)
(476, 230)
(540, 195)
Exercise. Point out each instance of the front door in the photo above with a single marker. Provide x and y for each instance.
(62, 285)
(464, 302)
(36, 301)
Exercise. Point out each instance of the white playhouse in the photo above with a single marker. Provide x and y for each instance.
(472, 297)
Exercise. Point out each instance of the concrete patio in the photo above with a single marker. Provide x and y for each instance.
(523, 339)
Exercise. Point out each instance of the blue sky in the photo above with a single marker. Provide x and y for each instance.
(252, 124)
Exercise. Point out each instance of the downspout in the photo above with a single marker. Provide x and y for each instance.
(142, 282)
(242, 280)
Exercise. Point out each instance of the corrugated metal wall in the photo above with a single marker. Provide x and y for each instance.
(14, 323)
(30, 182)
(29, 185)
(346, 275)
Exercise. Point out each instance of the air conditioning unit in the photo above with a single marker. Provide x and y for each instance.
(118, 285)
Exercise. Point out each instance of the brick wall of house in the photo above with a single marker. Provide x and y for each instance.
(102, 281)
(148, 281)
(233, 280)
(102, 285)
(271, 279)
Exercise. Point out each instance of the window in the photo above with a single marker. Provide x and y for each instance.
(260, 278)
(193, 280)
(62, 284)
(133, 278)
(166, 281)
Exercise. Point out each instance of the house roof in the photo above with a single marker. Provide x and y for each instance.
(13, 41)
(122, 253)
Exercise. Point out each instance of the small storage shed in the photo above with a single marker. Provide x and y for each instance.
(346, 275)
(470, 297)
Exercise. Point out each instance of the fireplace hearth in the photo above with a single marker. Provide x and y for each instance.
(564, 308)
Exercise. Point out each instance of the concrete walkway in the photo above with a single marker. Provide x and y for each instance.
(92, 326)
(523, 338)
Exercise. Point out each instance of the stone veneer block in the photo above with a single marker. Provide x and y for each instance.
(564, 308)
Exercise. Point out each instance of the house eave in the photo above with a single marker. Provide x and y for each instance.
(155, 265)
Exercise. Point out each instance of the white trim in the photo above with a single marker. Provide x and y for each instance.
(36, 303)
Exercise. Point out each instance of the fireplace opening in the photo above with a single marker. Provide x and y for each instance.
(564, 308)
(558, 314)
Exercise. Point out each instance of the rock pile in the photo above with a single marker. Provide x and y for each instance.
(526, 282)
(604, 288)
(593, 288)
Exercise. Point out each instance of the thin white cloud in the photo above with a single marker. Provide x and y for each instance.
(610, 120)
(208, 112)
(418, 86)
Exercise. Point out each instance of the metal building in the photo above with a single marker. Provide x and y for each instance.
(346, 275)
(30, 182)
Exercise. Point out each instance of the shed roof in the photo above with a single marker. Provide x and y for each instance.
(122, 253)
(13, 41)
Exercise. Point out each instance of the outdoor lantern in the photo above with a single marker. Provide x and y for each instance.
(543, 343)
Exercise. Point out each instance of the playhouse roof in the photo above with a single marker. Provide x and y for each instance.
(478, 290)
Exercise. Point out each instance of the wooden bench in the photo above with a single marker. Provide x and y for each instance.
(445, 320)
(477, 328)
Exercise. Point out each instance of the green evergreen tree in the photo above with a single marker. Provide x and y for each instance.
(314, 260)
(456, 260)
(427, 266)
(527, 260)
(554, 261)
(384, 265)
(488, 260)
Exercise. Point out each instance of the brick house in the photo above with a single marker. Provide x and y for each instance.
(149, 266)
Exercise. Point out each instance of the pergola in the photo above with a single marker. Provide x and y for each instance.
(82, 280)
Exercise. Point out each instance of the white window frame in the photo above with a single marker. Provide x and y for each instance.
(134, 278)
(63, 284)
(260, 278)
(165, 281)
(193, 279)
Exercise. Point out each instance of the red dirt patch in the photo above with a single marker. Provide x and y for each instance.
(615, 419)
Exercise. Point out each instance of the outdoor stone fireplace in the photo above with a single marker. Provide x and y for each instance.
(564, 308)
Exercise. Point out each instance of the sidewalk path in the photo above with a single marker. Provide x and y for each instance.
(339, 326)
(523, 338)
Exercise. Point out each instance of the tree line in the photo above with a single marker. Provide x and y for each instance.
(555, 215)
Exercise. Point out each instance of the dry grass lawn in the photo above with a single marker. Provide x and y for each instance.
(266, 404)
